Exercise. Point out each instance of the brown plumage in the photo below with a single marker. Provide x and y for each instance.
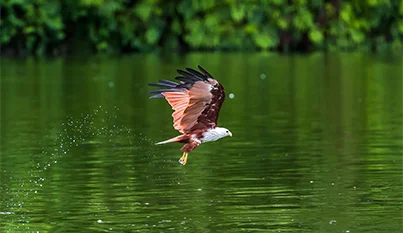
(196, 102)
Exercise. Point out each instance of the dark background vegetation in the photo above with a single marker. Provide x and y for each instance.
(123, 26)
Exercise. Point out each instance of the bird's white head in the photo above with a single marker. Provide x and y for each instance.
(215, 134)
(223, 132)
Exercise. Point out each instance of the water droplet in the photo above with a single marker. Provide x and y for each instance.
(231, 95)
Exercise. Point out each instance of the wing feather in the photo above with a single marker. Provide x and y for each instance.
(168, 82)
(189, 75)
(196, 100)
(196, 74)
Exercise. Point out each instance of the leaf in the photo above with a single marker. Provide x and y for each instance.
(152, 35)
(54, 24)
(102, 46)
(110, 8)
(315, 36)
(282, 24)
(238, 12)
(303, 20)
(16, 2)
(176, 27)
(264, 40)
(91, 2)
(30, 42)
(29, 29)
(357, 36)
(143, 10)
(401, 27)
(60, 35)
(251, 29)
(346, 13)
(212, 21)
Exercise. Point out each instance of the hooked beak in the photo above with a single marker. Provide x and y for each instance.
(229, 133)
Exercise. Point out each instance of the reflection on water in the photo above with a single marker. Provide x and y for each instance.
(317, 146)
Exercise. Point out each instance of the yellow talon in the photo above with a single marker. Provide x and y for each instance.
(184, 158)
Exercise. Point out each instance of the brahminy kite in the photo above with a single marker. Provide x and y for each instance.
(196, 102)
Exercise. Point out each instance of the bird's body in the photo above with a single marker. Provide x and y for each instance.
(196, 102)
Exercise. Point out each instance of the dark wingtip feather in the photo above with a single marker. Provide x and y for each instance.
(204, 71)
(156, 96)
(187, 79)
(192, 76)
(163, 90)
(163, 85)
(168, 82)
(196, 74)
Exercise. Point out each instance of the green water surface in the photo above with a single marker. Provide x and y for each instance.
(316, 146)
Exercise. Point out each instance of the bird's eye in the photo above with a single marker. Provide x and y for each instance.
(226, 131)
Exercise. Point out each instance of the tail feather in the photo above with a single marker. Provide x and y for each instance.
(175, 139)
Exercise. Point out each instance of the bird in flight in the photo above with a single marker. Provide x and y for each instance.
(196, 102)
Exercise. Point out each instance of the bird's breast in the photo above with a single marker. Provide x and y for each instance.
(210, 135)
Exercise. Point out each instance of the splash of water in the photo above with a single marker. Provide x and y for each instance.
(72, 134)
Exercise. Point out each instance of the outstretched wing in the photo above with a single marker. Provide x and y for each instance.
(196, 100)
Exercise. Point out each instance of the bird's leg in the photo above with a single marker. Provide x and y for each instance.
(184, 158)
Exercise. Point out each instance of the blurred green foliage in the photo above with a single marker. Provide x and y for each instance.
(56, 26)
